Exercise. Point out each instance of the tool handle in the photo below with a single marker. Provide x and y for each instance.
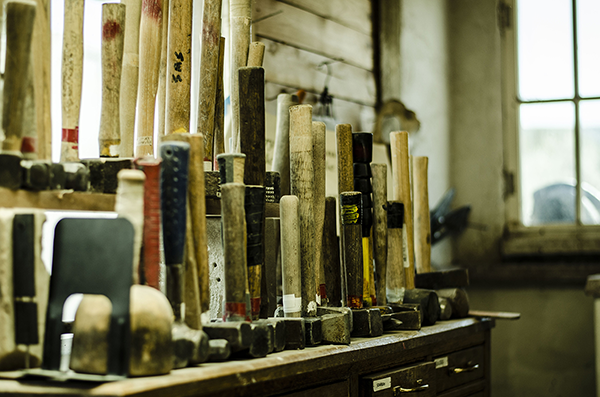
(19, 29)
(150, 47)
(422, 223)
(209, 69)
(252, 123)
(113, 37)
(496, 315)
(173, 197)
(72, 79)
(302, 185)
(331, 254)
(254, 206)
(256, 54)
(351, 211)
(130, 75)
(231, 167)
(179, 67)
(318, 131)
(240, 41)
(380, 230)
(396, 281)
(220, 105)
(281, 151)
(234, 250)
(162, 70)
(402, 191)
(290, 256)
(345, 159)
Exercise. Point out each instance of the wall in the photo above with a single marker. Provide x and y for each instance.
(549, 351)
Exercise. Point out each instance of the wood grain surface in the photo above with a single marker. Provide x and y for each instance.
(380, 230)
(421, 206)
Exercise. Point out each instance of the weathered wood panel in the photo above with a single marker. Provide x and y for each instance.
(302, 29)
(293, 67)
(354, 14)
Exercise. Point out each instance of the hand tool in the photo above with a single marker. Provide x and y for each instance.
(290, 256)
(271, 286)
(19, 27)
(209, 69)
(197, 204)
(113, 37)
(262, 341)
(402, 193)
(150, 255)
(29, 139)
(279, 332)
(237, 333)
(174, 186)
(362, 154)
(496, 315)
(331, 259)
(162, 70)
(458, 299)
(240, 40)
(397, 256)
(36, 175)
(256, 53)
(380, 229)
(151, 23)
(343, 134)
(179, 67)
(445, 222)
(445, 308)
(72, 79)
(129, 203)
(254, 206)
(422, 225)
(252, 123)
(105, 271)
(318, 131)
(301, 178)
(219, 123)
(219, 350)
(130, 75)
(336, 324)
(103, 173)
(77, 176)
(151, 319)
(231, 167)
(281, 151)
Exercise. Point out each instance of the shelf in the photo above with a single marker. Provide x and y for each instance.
(66, 200)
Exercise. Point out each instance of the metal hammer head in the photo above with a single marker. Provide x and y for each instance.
(10, 170)
(367, 323)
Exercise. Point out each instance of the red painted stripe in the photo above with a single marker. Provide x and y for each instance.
(235, 309)
(29, 145)
(355, 302)
(110, 30)
(323, 291)
(152, 8)
(255, 305)
(70, 135)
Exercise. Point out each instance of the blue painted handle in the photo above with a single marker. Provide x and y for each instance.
(173, 197)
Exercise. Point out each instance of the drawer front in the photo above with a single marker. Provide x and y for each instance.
(338, 389)
(460, 367)
(412, 381)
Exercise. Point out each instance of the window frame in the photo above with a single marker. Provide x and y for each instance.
(518, 239)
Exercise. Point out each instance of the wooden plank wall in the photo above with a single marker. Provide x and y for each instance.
(300, 36)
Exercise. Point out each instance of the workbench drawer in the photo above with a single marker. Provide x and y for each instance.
(460, 367)
(415, 380)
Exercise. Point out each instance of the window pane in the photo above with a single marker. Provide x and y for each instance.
(545, 49)
(590, 161)
(588, 32)
(547, 157)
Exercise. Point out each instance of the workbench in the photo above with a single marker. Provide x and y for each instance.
(450, 359)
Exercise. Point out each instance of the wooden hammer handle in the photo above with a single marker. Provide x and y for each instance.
(302, 185)
(240, 40)
(150, 47)
(113, 36)
(72, 79)
(281, 151)
(252, 123)
(396, 280)
(19, 29)
(402, 192)
(318, 130)
(352, 247)
(380, 230)
(290, 256)
(422, 223)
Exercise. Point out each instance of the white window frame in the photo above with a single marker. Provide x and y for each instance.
(519, 239)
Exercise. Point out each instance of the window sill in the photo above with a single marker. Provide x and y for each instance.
(521, 241)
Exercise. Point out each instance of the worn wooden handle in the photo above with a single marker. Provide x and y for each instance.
(344, 157)
(179, 67)
(318, 131)
(422, 223)
(240, 40)
(150, 40)
(130, 75)
(19, 29)
(402, 193)
(231, 167)
(290, 256)
(302, 185)
(209, 69)
(351, 209)
(396, 278)
(380, 230)
(331, 254)
(234, 250)
(254, 206)
(113, 37)
(281, 151)
(129, 203)
(72, 79)
(219, 123)
(162, 74)
(252, 123)
(256, 54)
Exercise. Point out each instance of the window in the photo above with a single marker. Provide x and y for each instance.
(552, 124)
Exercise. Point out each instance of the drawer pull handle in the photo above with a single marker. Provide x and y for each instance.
(400, 389)
(467, 369)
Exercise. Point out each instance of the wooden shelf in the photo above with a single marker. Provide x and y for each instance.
(57, 200)
(282, 372)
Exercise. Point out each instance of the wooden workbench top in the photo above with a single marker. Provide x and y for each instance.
(281, 371)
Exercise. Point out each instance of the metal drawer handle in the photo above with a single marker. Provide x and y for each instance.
(467, 369)
(400, 389)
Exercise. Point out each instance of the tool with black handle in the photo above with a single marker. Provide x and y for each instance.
(190, 346)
